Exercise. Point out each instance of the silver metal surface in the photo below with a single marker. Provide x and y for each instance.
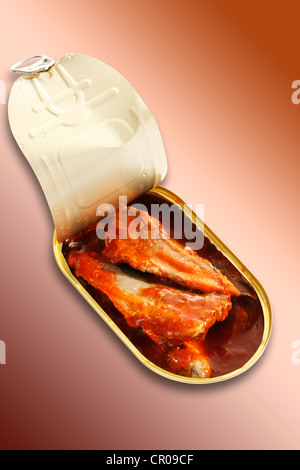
(42, 64)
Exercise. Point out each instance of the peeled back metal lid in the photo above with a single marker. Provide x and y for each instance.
(87, 135)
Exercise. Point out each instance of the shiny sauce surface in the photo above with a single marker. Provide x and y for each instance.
(228, 345)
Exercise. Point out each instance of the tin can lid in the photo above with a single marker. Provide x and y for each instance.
(87, 135)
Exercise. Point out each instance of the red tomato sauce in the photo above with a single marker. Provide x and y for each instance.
(228, 345)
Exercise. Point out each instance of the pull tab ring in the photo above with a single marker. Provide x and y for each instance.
(42, 64)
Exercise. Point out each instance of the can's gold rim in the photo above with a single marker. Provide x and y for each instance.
(265, 303)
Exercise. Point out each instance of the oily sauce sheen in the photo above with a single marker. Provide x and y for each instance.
(228, 345)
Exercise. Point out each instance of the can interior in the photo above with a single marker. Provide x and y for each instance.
(233, 345)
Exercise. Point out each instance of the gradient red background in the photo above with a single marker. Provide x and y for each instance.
(217, 76)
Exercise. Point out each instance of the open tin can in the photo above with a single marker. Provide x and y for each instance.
(89, 139)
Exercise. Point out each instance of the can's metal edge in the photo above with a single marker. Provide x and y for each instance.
(265, 303)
